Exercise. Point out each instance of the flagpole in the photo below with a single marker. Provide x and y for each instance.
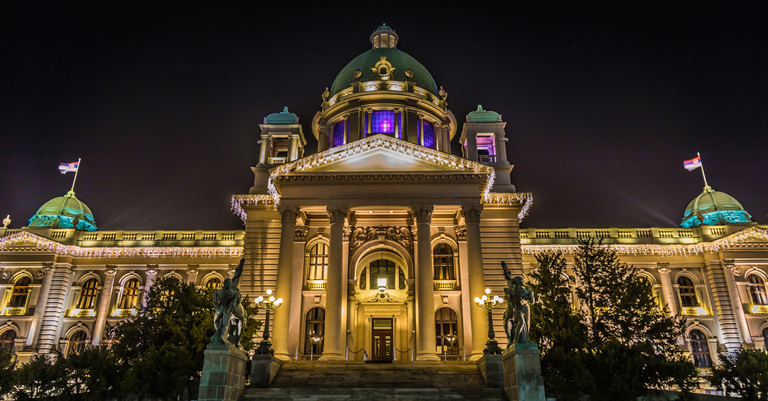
(78, 169)
(697, 154)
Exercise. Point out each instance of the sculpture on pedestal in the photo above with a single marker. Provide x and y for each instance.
(230, 317)
(517, 317)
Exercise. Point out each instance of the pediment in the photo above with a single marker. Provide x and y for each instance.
(380, 153)
(748, 235)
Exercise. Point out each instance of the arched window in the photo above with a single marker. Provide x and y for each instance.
(77, 342)
(446, 323)
(315, 333)
(7, 340)
(20, 292)
(213, 283)
(428, 130)
(765, 339)
(382, 122)
(687, 292)
(443, 262)
(88, 295)
(382, 268)
(757, 290)
(700, 348)
(318, 262)
(130, 294)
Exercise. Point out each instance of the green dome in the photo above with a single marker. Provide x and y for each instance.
(714, 208)
(283, 117)
(483, 116)
(384, 27)
(400, 61)
(64, 212)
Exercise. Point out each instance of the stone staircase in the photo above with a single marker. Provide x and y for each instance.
(360, 381)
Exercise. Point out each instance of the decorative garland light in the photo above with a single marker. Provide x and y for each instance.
(46, 245)
(510, 198)
(238, 201)
(660, 250)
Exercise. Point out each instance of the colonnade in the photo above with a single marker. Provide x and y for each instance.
(335, 294)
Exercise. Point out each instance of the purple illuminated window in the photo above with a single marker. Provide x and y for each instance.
(383, 122)
(429, 135)
(338, 134)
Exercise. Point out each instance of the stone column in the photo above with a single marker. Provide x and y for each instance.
(669, 290)
(471, 215)
(346, 129)
(472, 147)
(322, 137)
(151, 275)
(420, 129)
(501, 147)
(288, 216)
(263, 152)
(733, 291)
(42, 298)
(398, 117)
(103, 311)
(334, 338)
(293, 151)
(425, 287)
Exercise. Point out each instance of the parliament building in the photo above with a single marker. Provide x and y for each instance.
(378, 243)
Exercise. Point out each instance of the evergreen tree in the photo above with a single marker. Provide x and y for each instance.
(744, 373)
(607, 338)
(6, 371)
(163, 347)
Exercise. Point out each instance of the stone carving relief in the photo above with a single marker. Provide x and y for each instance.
(471, 213)
(402, 235)
(300, 233)
(461, 233)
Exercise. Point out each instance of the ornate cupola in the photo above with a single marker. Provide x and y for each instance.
(384, 91)
(484, 139)
(384, 36)
(714, 208)
(64, 212)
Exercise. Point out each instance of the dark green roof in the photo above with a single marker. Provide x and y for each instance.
(400, 62)
(483, 116)
(283, 117)
(384, 27)
(64, 212)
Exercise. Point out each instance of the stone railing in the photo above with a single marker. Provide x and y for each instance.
(160, 238)
(652, 235)
(316, 285)
(445, 285)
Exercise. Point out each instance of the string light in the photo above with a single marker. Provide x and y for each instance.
(46, 245)
(510, 198)
(715, 246)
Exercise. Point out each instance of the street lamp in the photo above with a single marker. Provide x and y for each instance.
(491, 347)
(270, 303)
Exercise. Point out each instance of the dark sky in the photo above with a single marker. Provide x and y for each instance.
(163, 103)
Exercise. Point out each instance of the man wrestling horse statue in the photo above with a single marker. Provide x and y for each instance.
(230, 317)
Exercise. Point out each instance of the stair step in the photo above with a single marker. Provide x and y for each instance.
(367, 394)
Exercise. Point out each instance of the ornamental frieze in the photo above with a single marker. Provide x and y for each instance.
(361, 235)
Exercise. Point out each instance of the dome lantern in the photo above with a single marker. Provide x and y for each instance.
(385, 37)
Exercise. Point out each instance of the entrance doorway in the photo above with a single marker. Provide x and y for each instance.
(382, 341)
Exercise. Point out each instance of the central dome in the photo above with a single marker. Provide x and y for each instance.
(400, 61)
(64, 212)
(714, 208)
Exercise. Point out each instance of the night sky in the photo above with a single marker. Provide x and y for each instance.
(163, 104)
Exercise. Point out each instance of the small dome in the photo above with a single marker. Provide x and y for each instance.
(714, 208)
(64, 212)
(283, 117)
(483, 116)
(384, 27)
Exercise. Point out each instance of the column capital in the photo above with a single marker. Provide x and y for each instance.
(192, 269)
(151, 270)
(423, 213)
(111, 270)
(288, 213)
(471, 213)
(337, 213)
(664, 267)
(730, 264)
(300, 233)
(47, 267)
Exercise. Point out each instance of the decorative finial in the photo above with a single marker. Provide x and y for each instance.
(6, 221)
(480, 107)
(326, 94)
(285, 110)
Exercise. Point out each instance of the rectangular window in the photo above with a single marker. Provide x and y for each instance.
(428, 130)
(338, 133)
(383, 122)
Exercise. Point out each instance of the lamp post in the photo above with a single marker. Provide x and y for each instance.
(491, 347)
(270, 303)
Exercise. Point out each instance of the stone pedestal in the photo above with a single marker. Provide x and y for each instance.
(492, 368)
(223, 377)
(522, 373)
(263, 370)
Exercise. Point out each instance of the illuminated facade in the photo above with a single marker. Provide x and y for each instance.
(380, 240)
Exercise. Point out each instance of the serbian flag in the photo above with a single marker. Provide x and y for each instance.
(69, 167)
(692, 164)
